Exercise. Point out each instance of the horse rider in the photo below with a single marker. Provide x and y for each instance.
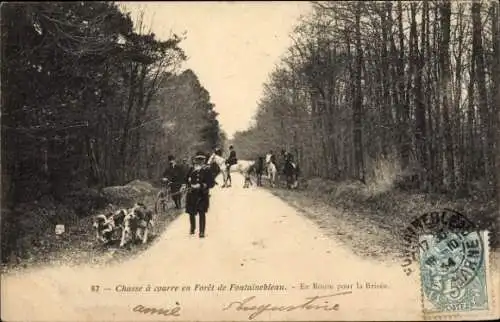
(199, 181)
(285, 154)
(290, 170)
(175, 174)
(283, 157)
(231, 160)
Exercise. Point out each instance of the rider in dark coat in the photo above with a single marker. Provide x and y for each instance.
(176, 175)
(199, 180)
(290, 170)
(273, 158)
(284, 157)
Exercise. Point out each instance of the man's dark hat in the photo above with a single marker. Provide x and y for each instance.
(171, 157)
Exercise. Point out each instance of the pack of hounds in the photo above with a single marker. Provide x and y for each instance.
(131, 224)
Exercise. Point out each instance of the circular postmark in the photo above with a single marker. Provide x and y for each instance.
(430, 223)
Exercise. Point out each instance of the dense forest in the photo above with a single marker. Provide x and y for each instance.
(91, 98)
(368, 87)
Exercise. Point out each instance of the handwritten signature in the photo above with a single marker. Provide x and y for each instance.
(308, 305)
(160, 311)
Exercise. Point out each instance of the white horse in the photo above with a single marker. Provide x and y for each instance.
(271, 170)
(221, 163)
(242, 166)
(245, 168)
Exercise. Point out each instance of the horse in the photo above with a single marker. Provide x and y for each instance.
(259, 169)
(246, 168)
(220, 162)
(271, 168)
(215, 170)
(271, 172)
(242, 166)
(291, 171)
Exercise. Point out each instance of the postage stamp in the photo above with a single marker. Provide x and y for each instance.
(454, 273)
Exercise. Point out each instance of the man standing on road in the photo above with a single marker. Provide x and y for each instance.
(200, 181)
(231, 160)
(175, 174)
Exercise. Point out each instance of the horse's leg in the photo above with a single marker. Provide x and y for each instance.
(224, 177)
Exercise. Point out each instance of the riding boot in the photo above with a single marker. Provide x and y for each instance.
(192, 222)
(202, 224)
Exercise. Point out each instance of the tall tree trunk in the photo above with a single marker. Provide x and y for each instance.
(395, 80)
(358, 102)
(459, 142)
(496, 90)
(420, 131)
(404, 108)
(477, 48)
(388, 121)
(445, 80)
(430, 124)
(437, 152)
(471, 163)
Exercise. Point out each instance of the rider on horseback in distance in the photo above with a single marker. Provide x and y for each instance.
(231, 160)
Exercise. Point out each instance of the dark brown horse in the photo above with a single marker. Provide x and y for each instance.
(291, 172)
(259, 170)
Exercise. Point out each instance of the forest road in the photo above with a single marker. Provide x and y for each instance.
(252, 237)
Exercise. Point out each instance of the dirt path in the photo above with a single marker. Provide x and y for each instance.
(252, 237)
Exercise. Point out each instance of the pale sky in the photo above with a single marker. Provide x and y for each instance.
(232, 47)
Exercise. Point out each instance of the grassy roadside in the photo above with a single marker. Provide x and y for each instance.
(78, 244)
(372, 222)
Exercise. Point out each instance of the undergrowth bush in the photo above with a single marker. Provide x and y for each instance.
(386, 205)
(26, 225)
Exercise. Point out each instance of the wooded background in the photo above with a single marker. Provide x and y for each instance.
(407, 86)
(90, 99)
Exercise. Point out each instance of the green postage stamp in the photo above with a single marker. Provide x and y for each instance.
(454, 274)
